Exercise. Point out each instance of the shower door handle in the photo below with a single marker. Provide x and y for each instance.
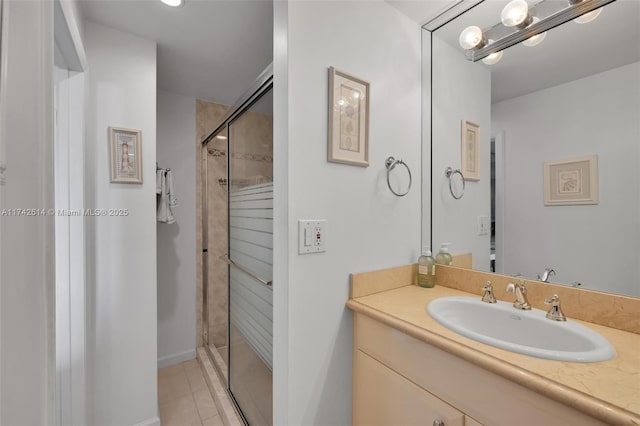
(242, 269)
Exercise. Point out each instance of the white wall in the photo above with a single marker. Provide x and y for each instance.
(121, 251)
(368, 228)
(461, 91)
(598, 245)
(27, 320)
(176, 146)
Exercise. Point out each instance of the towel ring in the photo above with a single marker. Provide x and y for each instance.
(449, 172)
(390, 164)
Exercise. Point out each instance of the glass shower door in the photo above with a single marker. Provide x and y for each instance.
(250, 157)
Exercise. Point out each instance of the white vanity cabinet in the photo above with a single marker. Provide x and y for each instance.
(400, 380)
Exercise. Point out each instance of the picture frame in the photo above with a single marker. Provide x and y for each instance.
(348, 133)
(572, 181)
(470, 150)
(126, 155)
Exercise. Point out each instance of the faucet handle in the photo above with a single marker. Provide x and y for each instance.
(555, 312)
(488, 296)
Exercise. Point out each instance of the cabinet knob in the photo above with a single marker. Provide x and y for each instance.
(438, 423)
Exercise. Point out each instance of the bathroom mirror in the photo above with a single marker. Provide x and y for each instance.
(568, 108)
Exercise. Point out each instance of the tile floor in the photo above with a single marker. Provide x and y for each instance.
(184, 398)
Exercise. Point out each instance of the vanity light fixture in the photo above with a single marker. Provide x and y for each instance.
(516, 14)
(588, 17)
(173, 3)
(472, 38)
(536, 39)
(526, 23)
(492, 59)
(221, 137)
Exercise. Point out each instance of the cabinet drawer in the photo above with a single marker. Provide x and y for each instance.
(382, 397)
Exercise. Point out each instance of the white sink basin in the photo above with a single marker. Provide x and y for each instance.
(526, 332)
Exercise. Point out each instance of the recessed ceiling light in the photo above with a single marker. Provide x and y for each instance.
(173, 3)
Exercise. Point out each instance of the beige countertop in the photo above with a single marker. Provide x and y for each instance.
(607, 390)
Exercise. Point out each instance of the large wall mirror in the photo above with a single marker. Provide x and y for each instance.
(549, 137)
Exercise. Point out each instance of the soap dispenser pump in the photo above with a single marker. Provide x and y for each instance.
(426, 269)
(444, 257)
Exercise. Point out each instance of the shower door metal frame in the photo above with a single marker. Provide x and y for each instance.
(260, 86)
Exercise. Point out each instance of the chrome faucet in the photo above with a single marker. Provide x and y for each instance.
(520, 290)
(555, 313)
(488, 296)
(546, 275)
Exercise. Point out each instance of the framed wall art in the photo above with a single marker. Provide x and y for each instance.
(470, 148)
(571, 182)
(126, 155)
(348, 119)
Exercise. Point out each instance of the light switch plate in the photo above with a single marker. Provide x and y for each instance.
(483, 225)
(311, 236)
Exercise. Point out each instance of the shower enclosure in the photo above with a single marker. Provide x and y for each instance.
(237, 250)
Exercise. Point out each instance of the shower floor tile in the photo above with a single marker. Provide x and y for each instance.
(184, 398)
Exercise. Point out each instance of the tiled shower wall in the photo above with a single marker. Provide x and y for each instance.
(208, 116)
(252, 163)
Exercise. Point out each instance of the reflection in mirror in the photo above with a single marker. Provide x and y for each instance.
(558, 145)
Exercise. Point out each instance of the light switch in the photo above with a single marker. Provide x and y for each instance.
(483, 225)
(308, 236)
(311, 236)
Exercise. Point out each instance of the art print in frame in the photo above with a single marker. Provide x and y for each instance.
(470, 148)
(348, 119)
(126, 155)
(571, 182)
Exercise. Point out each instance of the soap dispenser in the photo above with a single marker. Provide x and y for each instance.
(444, 257)
(426, 269)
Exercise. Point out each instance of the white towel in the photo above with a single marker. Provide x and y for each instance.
(164, 207)
(159, 177)
(173, 200)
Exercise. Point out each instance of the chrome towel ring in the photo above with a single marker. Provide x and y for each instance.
(449, 172)
(390, 164)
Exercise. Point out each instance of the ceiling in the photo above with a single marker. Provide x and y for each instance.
(569, 52)
(420, 11)
(214, 49)
(207, 49)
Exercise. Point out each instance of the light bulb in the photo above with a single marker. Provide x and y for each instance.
(536, 39)
(588, 17)
(471, 37)
(492, 59)
(515, 13)
(173, 3)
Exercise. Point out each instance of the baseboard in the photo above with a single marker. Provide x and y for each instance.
(170, 360)
(154, 421)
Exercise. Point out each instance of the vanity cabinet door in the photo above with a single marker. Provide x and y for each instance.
(468, 421)
(382, 397)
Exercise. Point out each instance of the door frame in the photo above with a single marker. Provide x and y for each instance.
(71, 353)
